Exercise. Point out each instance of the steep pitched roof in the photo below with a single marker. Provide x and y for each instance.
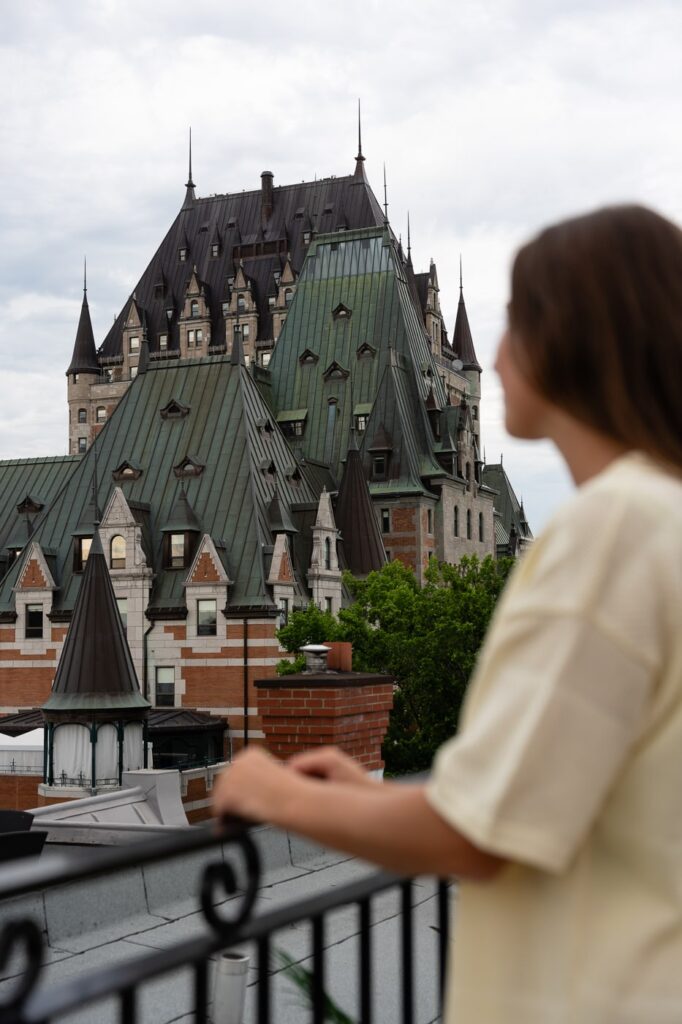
(462, 342)
(95, 671)
(361, 273)
(84, 358)
(236, 218)
(361, 547)
(509, 511)
(224, 429)
(42, 478)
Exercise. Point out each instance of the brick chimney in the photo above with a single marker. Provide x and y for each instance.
(313, 709)
(266, 200)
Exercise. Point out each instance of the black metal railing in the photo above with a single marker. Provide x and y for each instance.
(29, 1002)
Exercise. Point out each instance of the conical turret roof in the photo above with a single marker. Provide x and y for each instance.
(95, 671)
(182, 516)
(84, 358)
(361, 546)
(462, 342)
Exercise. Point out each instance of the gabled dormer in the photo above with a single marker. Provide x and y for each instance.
(33, 596)
(195, 319)
(174, 410)
(241, 314)
(335, 371)
(126, 470)
(324, 573)
(133, 337)
(190, 466)
(286, 285)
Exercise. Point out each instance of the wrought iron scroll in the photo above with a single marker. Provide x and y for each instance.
(221, 875)
(15, 936)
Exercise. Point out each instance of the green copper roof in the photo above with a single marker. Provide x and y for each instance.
(354, 311)
(244, 464)
(41, 479)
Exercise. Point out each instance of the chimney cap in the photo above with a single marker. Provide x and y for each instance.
(267, 174)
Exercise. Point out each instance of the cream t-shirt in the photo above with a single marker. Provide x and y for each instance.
(569, 763)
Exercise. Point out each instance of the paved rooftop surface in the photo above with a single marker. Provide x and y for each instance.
(132, 914)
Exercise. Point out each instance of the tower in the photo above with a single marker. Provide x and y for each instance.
(83, 371)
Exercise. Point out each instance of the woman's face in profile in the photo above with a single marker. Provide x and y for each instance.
(525, 410)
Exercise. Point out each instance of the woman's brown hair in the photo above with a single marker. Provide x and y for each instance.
(596, 319)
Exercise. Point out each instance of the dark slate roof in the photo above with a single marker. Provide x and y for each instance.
(322, 206)
(361, 546)
(159, 720)
(95, 671)
(84, 358)
(224, 430)
(508, 509)
(362, 271)
(462, 342)
(41, 478)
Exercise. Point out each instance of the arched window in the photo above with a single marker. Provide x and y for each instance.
(101, 414)
(456, 521)
(82, 415)
(468, 524)
(194, 309)
(288, 296)
(327, 553)
(118, 552)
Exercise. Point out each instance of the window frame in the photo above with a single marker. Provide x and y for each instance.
(209, 628)
(82, 415)
(169, 691)
(117, 562)
(33, 631)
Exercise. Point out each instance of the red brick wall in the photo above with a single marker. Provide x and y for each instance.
(19, 792)
(353, 718)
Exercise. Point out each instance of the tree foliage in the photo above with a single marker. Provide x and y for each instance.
(426, 637)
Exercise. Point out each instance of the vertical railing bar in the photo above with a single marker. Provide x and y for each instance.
(443, 937)
(263, 986)
(128, 1014)
(407, 952)
(365, 962)
(201, 992)
(318, 970)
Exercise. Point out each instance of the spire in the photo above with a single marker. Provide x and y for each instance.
(385, 198)
(84, 358)
(95, 671)
(279, 518)
(190, 194)
(361, 544)
(462, 342)
(359, 160)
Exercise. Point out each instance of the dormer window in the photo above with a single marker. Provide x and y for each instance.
(134, 344)
(117, 558)
(366, 351)
(189, 467)
(34, 622)
(174, 410)
(379, 467)
(194, 309)
(335, 372)
(176, 550)
(127, 471)
(163, 342)
(81, 550)
(182, 254)
(288, 296)
(361, 423)
(341, 312)
(241, 304)
(306, 237)
(308, 357)
(215, 249)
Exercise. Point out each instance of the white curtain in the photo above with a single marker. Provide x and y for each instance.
(133, 750)
(107, 753)
(72, 753)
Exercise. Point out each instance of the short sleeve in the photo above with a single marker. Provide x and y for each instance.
(560, 707)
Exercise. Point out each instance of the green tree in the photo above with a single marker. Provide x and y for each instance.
(426, 637)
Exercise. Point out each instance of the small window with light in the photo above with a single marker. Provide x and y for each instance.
(118, 552)
(81, 551)
(361, 423)
(176, 551)
(207, 617)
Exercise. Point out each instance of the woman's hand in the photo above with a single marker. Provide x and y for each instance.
(255, 786)
(331, 764)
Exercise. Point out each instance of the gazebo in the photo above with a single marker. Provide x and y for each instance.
(95, 717)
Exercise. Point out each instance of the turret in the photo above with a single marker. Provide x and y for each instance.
(83, 371)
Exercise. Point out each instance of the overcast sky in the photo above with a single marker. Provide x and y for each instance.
(493, 117)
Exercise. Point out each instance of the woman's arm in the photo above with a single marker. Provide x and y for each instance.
(391, 825)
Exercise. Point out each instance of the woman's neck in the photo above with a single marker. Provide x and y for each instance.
(585, 451)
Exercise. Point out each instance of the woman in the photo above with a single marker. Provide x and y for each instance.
(559, 802)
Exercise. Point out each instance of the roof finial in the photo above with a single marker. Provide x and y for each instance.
(385, 198)
(359, 156)
(460, 273)
(190, 183)
(85, 275)
(190, 194)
